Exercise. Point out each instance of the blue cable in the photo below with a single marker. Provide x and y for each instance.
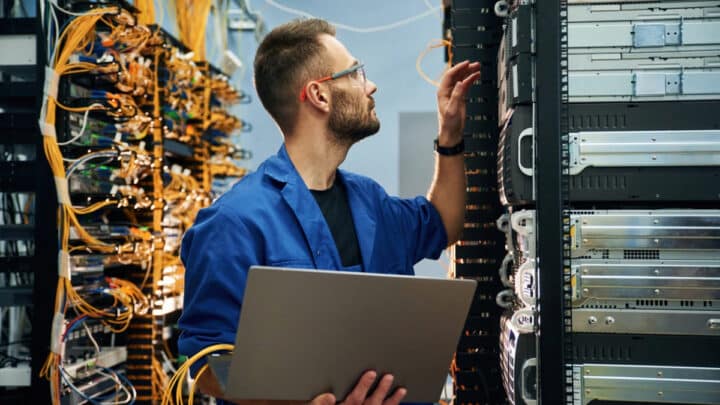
(98, 94)
(98, 400)
(75, 325)
(125, 381)
(74, 388)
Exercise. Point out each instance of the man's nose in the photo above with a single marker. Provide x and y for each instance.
(370, 87)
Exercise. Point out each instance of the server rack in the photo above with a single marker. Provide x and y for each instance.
(181, 155)
(554, 378)
(476, 33)
(621, 248)
(21, 93)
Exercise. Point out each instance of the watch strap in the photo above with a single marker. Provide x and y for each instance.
(450, 151)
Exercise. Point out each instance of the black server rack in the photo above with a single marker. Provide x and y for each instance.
(475, 34)
(609, 150)
(28, 226)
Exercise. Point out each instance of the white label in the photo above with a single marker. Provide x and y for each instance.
(61, 187)
(52, 81)
(64, 264)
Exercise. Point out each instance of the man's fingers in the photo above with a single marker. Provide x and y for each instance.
(469, 81)
(397, 396)
(457, 73)
(461, 70)
(461, 89)
(451, 76)
(323, 399)
(358, 394)
(382, 390)
(456, 97)
(455, 70)
(470, 69)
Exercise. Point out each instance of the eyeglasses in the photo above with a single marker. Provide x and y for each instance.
(356, 72)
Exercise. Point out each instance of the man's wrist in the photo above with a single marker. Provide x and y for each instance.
(448, 148)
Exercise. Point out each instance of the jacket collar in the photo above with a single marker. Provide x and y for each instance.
(296, 194)
(281, 168)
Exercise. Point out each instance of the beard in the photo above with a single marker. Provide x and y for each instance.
(351, 119)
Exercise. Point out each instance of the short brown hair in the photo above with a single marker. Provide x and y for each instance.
(287, 57)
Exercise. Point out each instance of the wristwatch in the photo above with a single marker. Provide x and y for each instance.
(451, 151)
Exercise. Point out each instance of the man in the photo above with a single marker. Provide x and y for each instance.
(295, 210)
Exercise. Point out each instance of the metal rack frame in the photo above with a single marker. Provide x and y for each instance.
(33, 176)
(551, 337)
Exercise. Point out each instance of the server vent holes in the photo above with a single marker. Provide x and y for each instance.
(654, 303)
(590, 352)
(606, 121)
(599, 306)
(639, 254)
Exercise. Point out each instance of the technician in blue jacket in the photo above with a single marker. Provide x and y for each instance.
(299, 210)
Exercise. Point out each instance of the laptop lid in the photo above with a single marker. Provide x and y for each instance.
(305, 332)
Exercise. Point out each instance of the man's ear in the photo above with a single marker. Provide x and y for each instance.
(318, 96)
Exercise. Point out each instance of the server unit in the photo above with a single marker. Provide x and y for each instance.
(645, 384)
(630, 138)
(640, 51)
(517, 270)
(646, 272)
(622, 152)
(518, 362)
(645, 288)
(633, 271)
(645, 319)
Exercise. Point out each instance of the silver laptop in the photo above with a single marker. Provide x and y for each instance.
(305, 332)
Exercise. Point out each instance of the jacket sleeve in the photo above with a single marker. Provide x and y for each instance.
(217, 252)
(422, 226)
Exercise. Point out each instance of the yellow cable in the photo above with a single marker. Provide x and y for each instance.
(418, 67)
(72, 38)
(192, 19)
(181, 373)
(192, 385)
(94, 207)
(147, 11)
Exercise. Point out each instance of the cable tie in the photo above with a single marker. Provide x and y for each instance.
(52, 82)
(43, 112)
(63, 264)
(47, 129)
(58, 323)
(61, 187)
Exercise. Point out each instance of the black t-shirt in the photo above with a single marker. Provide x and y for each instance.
(334, 205)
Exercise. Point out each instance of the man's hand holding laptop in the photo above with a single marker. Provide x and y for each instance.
(359, 395)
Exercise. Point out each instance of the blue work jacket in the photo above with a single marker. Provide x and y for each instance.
(270, 218)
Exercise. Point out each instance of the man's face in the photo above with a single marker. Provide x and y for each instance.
(352, 111)
(352, 115)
